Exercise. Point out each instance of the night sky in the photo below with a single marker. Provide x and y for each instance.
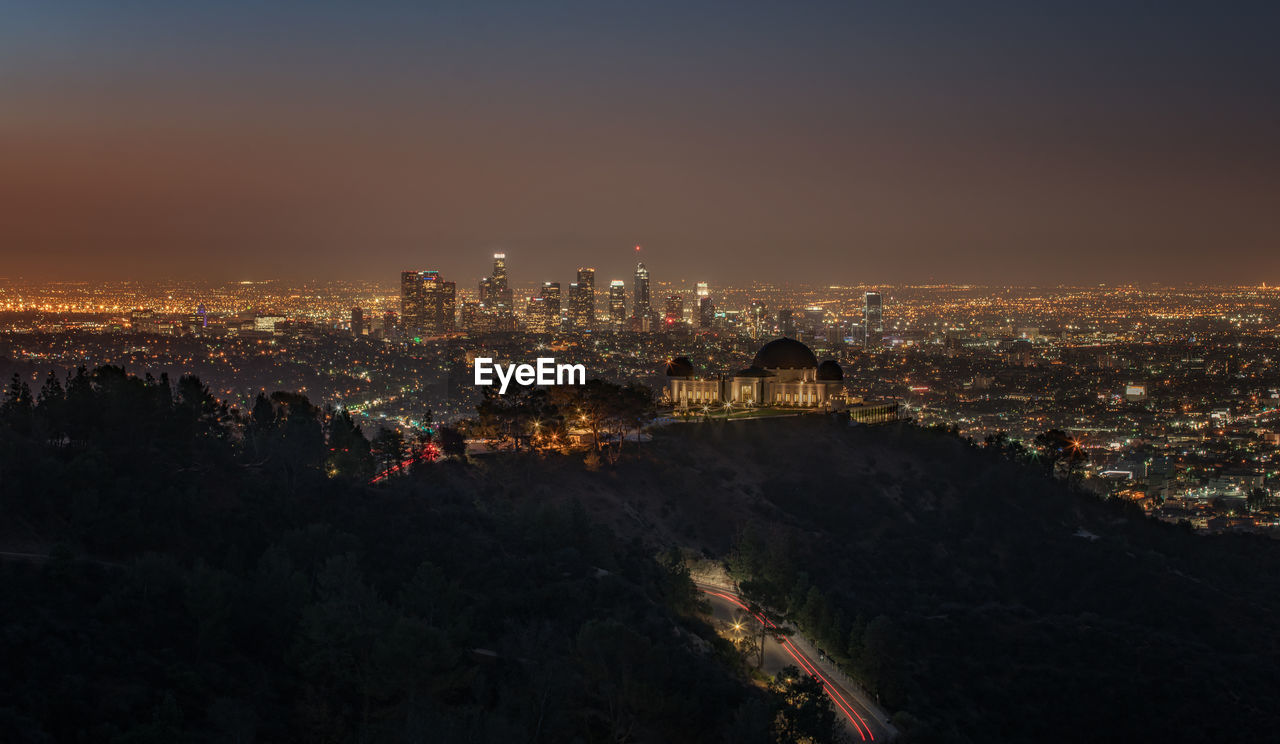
(1023, 142)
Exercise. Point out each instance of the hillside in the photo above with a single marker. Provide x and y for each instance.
(223, 577)
(194, 575)
(976, 594)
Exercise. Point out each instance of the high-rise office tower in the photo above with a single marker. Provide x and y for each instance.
(587, 278)
(357, 322)
(543, 311)
(787, 322)
(551, 292)
(811, 323)
(757, 316)
(573, 306)
(706, 313)
(582, 300)
(703, 309)
(535, 316)
(441, 304)
(640, 295)
(413, 309)
(428, 304)
(617, 303)
(472, 319)
(481, 316)
(504, 309)
(497, 305)
(446, 308)
(500, 270)
(674, 311)
(872, 320)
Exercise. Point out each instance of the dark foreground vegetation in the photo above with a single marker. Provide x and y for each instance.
(177, 572)
(212, 576)
(983, 600)
(978, 597)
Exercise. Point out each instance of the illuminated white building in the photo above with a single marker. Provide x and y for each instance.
(784, 373)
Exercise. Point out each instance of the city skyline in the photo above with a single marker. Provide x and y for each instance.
(1072, 143)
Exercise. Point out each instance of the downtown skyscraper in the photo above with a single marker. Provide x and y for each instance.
(704, 318)
(872, 320)
(495, 310)
(542, 315)
(582, 300)
(428, 304)
(413, 304)
(617, 304)
(500, 270)
(641, 309)
(673, 312)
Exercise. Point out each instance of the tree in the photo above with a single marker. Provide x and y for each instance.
(51, 410)
(339, 635)
(201, 409)
(624, 410)
(453, 442)
(682, 594)
(389, 448)
(260, 427)
(638, 406)
(299, 436)
(767, 628)
(349, 452)
(997, 441)
(81, 407)
(856, 650)
(264, 414)
(815, 614)
(17, 407)
(526, 415)
(806, 715)
(882, 655)
(423, 446)
(1056, 446)
(614, 658)
(491, 420)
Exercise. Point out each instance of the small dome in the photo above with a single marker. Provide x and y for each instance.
(680, 367)
(785, 353)
(830, 371)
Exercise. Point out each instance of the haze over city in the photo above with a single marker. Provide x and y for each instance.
(989, 142)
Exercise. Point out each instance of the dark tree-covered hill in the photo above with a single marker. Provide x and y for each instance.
(978, 597)
(195, 574)
(177, 572)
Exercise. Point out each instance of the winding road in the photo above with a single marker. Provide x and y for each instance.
(861, 716)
